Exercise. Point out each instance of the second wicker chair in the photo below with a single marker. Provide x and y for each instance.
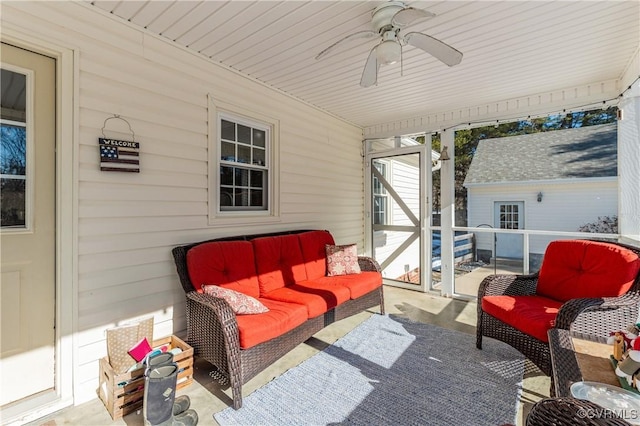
(590, 287)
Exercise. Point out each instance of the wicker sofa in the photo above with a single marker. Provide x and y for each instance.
(286, 272)
(590, 287)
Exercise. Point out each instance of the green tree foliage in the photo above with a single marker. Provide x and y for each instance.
(466, 142)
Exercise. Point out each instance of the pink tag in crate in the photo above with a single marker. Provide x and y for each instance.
(140, 350)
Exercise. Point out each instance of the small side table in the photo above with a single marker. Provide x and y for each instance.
(565, 358)
(575, 357)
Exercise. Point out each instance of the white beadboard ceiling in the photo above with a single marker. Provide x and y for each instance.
(511, 49)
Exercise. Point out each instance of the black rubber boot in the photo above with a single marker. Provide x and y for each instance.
(160, 405)
(159, 395)
(157, 360)
(188, 418)
(181, 403)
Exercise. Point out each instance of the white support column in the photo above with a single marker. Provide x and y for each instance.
(447, 186)
(629, 166)
(426, 190)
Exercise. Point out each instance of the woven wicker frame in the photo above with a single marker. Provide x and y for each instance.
(592, 316)
(212, 329)
(571, 412)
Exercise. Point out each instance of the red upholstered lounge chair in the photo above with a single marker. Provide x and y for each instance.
(586, 286)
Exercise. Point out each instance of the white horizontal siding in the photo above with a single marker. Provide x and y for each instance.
(128, 223)
(564, 207)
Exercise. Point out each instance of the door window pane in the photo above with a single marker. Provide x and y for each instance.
(13, 203)
(13, 151)
(509, 216)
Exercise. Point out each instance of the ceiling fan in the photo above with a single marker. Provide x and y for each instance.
(388, 20)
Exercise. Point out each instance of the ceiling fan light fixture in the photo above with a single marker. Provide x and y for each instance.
(388, 52)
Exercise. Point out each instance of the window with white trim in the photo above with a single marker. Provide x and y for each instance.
(380, 196)
(244, 152)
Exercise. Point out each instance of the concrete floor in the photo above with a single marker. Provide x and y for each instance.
(208, 398)
(467, 283)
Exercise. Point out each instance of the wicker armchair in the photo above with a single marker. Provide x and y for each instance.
(571, 412)
(590, 315)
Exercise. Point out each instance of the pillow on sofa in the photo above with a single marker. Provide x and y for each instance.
(240, 303)
(342, 260)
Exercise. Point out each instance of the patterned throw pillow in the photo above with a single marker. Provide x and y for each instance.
(342, 260)
(240, 303)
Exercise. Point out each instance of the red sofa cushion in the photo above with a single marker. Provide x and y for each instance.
(278, 262)
(281, 318)
(577, 268)
(533, 315)
(228, 264)
(358, 284)
(317, 298)
(313, 252)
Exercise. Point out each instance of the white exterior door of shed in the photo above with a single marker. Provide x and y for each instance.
(509, 215)
(28, 225)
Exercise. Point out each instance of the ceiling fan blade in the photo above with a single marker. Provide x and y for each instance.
(435, 48)
(354, 36)
(371, 67)
(408, 15)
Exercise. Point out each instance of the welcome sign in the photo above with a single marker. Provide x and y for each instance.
(119, 156)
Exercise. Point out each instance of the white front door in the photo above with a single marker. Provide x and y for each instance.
(509, 215)
(27, 233)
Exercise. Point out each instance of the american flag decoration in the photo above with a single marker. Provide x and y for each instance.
(119, 156)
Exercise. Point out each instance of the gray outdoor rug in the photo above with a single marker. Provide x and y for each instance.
(391, 371)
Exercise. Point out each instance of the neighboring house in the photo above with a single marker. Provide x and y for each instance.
(554, 181)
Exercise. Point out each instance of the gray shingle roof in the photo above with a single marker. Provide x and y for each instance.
(562, 154)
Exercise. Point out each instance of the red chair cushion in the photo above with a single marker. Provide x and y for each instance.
(278, 261)
(317, 298)
(533, 315)
(577, 269)
(228, 264)
(358, 284)
(281, 318)
(313, 252)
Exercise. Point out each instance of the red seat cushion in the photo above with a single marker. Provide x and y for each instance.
(228, 264)
(358, 284)
(577, 268)
(317, 298)
(281, 318)
(278, 262)
(533, 315)
(313, 252)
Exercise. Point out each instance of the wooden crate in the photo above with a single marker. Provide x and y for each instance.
(122, 393)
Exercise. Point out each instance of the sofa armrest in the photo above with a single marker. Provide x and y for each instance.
(368, 264)
(508, 284)
(599, 316)
(212, 330)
